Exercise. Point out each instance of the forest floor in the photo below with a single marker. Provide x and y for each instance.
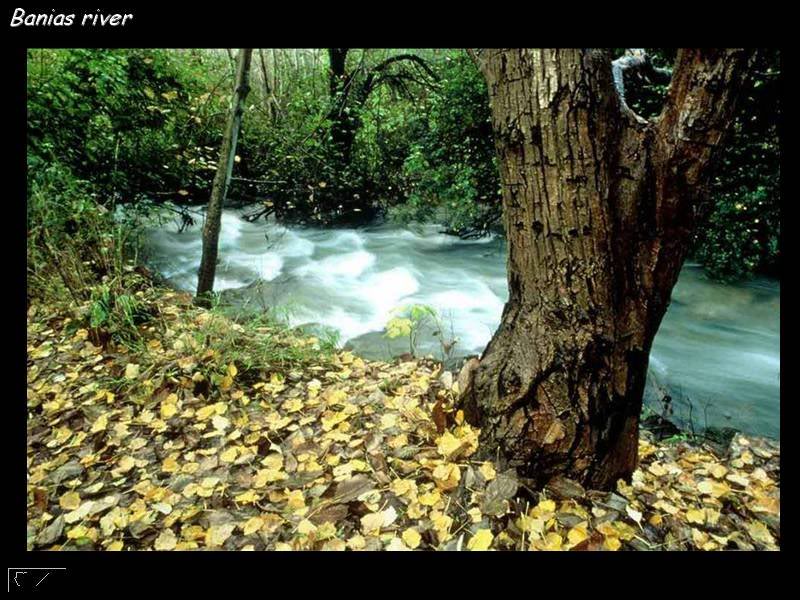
(210, 434)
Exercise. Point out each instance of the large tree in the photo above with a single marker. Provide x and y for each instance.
(222, 178)
(599, 208)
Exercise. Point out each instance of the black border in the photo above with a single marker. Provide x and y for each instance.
(406, 24)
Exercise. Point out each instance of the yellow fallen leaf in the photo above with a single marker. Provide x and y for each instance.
(487, 470)
(229, 454)
(430, 498)
(612, 543)
(100, 424)
(70, 501)
(448, 445)
(696, 516)
(717, 470)
(412, 538)
(166, 540)
(759, 532)
(482, 540)
(205, 412)
(168, 410)
(252, 525)
(357, 542)
(306, 527)
(170, 465)
(441, 524)
(716, 489)
(577, 534)
(371, 523)
(248, 497)
(296, 499)
(218, 534)
(447, 476)
(125, 464)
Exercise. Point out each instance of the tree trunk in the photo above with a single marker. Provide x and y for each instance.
(343, 125)
(598, 208)
(222, 178)
(270, 101)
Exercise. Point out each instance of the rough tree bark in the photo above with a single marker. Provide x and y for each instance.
(222, 178)
(599, 209)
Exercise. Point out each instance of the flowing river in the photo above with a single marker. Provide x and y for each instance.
(717, 352)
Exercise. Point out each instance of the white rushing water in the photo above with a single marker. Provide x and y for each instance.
(718, 345)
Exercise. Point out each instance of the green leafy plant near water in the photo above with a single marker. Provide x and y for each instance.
(411, 320)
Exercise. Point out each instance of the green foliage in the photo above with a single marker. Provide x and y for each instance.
(451, 172)
(134, 126)
(131, 121)
(118, 314)
(258, 343)
(741, 235)
(412, 320)
(408, 321)
(73, 241)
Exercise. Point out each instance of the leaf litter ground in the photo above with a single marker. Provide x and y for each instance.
(179, 445)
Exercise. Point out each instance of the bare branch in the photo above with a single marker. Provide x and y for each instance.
(380, 74)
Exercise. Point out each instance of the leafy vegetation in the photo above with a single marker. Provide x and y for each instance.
(146, 124)
(412, 321)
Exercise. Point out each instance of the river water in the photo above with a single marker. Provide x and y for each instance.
(717, 353)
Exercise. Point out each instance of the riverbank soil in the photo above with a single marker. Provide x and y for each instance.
(208, 434)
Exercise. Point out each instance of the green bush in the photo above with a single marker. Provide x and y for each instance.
(451, 172)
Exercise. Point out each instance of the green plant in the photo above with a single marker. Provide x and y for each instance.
(258, 344)
(450, 171)
(118, 314)
(411, 320)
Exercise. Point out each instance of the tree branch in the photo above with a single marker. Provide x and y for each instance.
(686, 139)
(379, 74)
(699, 106)
(420, 62)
